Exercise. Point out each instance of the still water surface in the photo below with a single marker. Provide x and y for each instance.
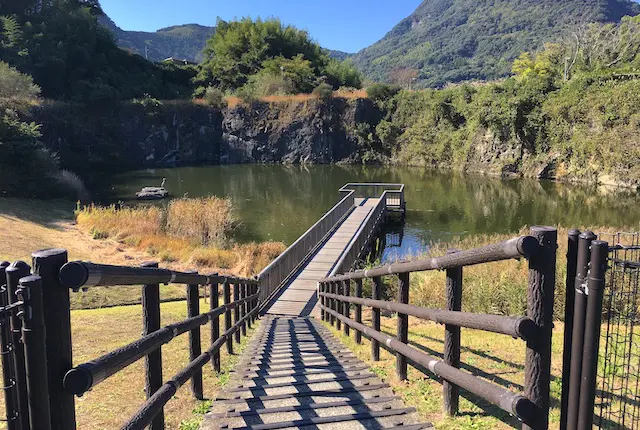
(276, 202)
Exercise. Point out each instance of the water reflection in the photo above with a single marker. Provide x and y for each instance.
(276, 202)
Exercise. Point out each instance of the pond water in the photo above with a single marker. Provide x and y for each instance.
(277, 202)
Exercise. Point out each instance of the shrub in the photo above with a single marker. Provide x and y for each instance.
(247, 94)
(215, 98)
(323, 91)
(382, 92)
(14, 84)
(266, 83)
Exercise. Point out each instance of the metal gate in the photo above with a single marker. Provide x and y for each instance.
(617, 403)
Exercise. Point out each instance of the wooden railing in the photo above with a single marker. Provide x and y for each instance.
(49, 385)
(532, 406)
(278, 272)
(394, 192)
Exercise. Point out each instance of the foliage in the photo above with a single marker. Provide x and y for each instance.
(323, 91)
(241, 49)
(267, 83)
(14, 84)
(459, 40)
(382, 92)
(215, 98)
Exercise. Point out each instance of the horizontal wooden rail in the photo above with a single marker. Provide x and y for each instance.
(153, 406)
(524, 246)
(511, 402)
(78, 274)
(520, 327)
(82, 378)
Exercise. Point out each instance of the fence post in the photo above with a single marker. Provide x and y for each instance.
(8, 381)
(215, 324)
(243, 308)
(338, 304)
(577, 336)
(13, 273)
(542, 276)
(403, 325)
(248, 307)
(34, 340)
(376, 292)
(451, 392)
(153, 361)
(572, 261)
(359, 310)
(226, 293)
(322, 300)
(332, 303)
(236, 310)
(195, 347)
(595, 292)
(346, 306)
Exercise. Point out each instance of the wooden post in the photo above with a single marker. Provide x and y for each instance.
(322, 301)
(376, 292)
(57, 320)
(236, 310)
(403, 325)
(451, 392)
(248, 307)
(226, 293)
(332, 290)
(215, 324)
(243, 308)
(346, 285)
(195, 346)
(8, 371)
(153, 361)
(338, 304)
(33, 335)
(13, 273)
(542, 276)
(358, 310)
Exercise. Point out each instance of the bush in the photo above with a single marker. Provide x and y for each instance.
(215, 98)
(14, 84)
(266, 83)
(323, 91)
(247, 94)
(382, 92)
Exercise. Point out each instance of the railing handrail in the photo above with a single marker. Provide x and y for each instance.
(79, 274)
(354, 240)
(347, 187)
(523, 246)
(301, 238)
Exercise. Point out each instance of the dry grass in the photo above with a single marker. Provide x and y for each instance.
(233, 101)
(112, 402)
(191, 234)
(497, 358)
(207, 220)
(496, 288)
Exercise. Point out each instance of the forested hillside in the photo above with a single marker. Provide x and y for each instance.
(457, 40)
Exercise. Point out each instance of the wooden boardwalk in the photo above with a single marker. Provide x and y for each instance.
(299, 297)
(295, 374)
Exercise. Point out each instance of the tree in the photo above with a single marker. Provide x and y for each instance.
(403, 77)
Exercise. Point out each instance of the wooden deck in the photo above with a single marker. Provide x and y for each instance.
(299, 297)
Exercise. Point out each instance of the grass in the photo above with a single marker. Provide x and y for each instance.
(112, 402)
(493, 357)
(233, 101)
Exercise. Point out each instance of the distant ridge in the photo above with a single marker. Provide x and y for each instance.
(182, 42)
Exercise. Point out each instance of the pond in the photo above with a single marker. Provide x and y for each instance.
(278, 202)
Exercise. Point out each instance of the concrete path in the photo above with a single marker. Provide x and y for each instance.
(299, 297)
(295, 374)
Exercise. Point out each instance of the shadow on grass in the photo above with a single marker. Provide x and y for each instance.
(48, 213)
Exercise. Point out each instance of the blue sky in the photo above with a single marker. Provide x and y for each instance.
(346, 25)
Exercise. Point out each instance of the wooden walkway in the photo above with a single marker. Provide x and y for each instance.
(295, 374)
(299, 297)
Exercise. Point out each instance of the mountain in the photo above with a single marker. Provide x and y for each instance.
(184, 42)
(458, 40)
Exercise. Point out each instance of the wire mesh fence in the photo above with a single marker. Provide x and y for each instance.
(618, 386)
